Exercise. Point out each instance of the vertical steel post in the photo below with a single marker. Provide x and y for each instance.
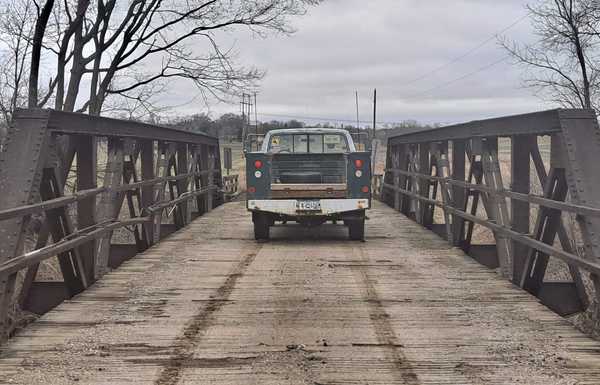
(85, 147)
(147, 164)
(458, 193)
(424, 184)
(520, 174)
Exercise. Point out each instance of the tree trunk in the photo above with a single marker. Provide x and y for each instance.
(36, 52)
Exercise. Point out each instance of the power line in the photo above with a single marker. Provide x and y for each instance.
(323, 119)
(481, 69)
(459, 58)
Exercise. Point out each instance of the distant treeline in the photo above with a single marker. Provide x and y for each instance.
(232, 126)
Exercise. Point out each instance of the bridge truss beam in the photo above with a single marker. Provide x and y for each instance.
(153, 179)
(570, 189)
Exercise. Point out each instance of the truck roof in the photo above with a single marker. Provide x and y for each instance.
(308, 130)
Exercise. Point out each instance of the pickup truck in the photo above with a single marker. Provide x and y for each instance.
(309, 176)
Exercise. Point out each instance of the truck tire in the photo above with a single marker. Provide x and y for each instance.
(261, 226)
(356, 229)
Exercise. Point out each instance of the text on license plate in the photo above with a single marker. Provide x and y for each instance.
(308, 205)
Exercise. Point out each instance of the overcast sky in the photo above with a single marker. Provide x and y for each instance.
(347, 45)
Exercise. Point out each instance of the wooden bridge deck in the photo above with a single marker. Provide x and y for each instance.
(211, 306)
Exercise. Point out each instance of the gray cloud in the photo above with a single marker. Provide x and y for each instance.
(347, 45)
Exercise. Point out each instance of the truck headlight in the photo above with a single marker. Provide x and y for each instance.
(257, 174)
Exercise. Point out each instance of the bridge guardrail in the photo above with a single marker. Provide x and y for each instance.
(165, 175)
(456, 168)
(377, 186)
(231, 186)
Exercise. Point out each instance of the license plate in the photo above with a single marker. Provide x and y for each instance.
(308, 205)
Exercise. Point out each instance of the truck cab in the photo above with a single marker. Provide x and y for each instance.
(309, 176)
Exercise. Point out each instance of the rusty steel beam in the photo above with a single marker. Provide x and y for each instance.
(62, 122)
(530, 198)
(537, 123)
(46, 143)
(575, 147)
(570, 258)
(520, 182)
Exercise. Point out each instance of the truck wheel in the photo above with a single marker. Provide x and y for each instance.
(356, 229)
(261, 226)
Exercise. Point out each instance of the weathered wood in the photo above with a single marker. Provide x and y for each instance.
(400, 308)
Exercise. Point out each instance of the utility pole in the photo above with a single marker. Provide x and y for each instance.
(255, 115)
(373, 141)
(357, 119)
(374, 112)
(246, 110)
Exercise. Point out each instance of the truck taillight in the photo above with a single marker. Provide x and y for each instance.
(258, 164)
(365, 189)
(358, 163)
(251, 190)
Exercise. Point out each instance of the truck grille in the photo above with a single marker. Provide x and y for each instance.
(308, 168)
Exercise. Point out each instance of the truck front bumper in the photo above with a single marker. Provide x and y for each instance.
(290, 206)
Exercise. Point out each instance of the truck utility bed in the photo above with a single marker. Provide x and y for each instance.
(310, 176)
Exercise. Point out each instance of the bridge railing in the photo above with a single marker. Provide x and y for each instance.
(153, 180)
(231, 186)
(454, 179)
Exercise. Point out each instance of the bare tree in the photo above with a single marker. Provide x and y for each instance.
(43, 15)
(110, 48)
(15, 28)
(562, 63)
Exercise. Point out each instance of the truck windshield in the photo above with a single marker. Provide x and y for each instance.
(308, 144)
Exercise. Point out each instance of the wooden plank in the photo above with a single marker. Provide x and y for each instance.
(400, 308)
